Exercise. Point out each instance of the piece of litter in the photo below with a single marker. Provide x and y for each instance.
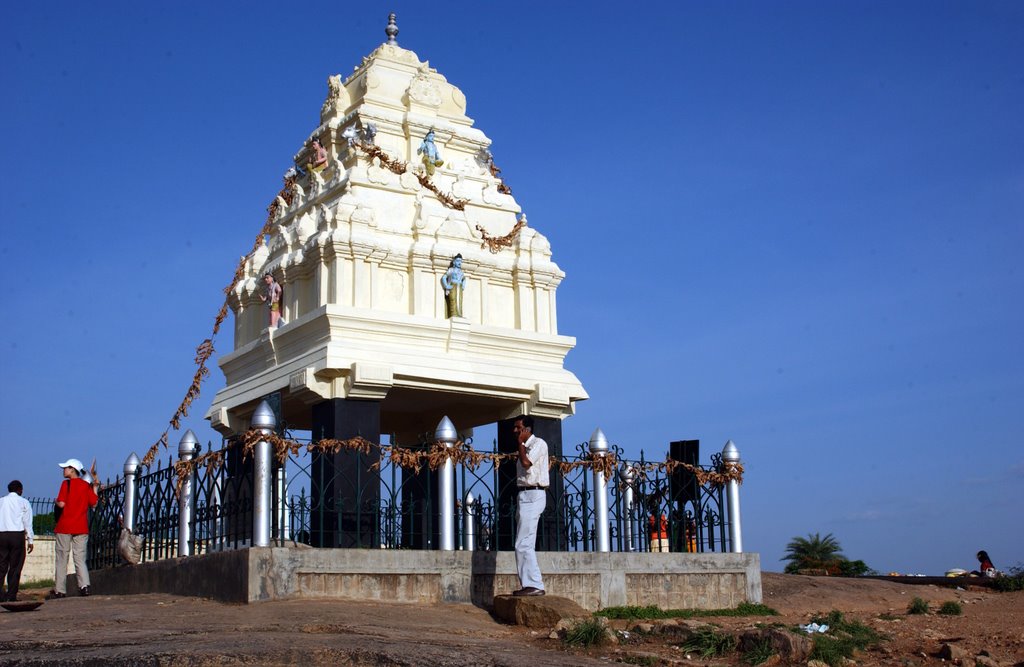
(811, 628)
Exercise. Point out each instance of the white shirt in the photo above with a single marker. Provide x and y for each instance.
(16, 515)
(537, 475)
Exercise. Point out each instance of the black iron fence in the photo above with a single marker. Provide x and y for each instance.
(370, 502)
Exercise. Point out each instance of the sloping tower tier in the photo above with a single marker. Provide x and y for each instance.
(360, 251)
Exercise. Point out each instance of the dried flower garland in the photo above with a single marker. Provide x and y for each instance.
(205, 349)
(435, 456)
(399, 167)
(495, 244)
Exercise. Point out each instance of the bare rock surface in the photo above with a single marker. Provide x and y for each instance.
(173, 631)
(537, 612)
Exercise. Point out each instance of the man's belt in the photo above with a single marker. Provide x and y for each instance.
(533, 488)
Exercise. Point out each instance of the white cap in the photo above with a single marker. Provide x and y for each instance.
(73, 463)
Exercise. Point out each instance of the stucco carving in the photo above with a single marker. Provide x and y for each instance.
(423, 90)
(377, 174)
(459, 99)
(337, 99)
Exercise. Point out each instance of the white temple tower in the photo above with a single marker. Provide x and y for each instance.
(360, 252)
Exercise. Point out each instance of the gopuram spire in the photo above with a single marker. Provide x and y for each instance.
(407, 275)
(392, 30)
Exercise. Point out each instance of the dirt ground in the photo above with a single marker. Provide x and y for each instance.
(169, 630)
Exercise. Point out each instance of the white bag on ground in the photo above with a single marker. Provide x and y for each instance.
(129, 546)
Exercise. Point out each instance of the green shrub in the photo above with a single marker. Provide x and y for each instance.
(854, 568)
(43, 524)
(707, 642)
(588, 632)
(917, 606)
(1012, 581)
(951, 608)
(759, 653)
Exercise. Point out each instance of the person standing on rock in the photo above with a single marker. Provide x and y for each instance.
(532, 480)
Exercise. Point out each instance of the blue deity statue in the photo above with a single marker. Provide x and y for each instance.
(453, 282)
(431, 156)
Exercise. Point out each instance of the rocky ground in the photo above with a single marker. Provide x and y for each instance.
(168, 630)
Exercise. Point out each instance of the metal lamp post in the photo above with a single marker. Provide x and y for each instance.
(447, 436)
(627, 476)
(599, 447)
(731, 456)
(187, 447)
(264, 420)
(468, 523)
(131, 468)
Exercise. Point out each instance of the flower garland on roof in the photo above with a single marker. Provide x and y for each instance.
(205, 350)
(399, 167)
(495, 244)
(435, 455)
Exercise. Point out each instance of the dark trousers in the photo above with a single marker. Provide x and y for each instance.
(12, 558)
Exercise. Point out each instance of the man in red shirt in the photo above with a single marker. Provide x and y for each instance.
(75, 498)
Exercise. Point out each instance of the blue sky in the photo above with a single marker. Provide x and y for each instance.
(796, 225)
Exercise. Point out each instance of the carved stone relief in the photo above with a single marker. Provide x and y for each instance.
(423, 90)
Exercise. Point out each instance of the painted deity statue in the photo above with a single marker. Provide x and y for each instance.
(318, 156)
(453, 282)
(273, 299)
(431, 156)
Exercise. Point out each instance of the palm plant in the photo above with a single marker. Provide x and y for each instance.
(814, 551)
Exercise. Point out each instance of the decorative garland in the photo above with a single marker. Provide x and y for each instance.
(436, 455)
(495, 244)
(399, 167)
(405, 458)
(396, 166)
(206, 349)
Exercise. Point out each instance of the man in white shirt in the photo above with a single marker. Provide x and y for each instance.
(15, 526)
(532, 480)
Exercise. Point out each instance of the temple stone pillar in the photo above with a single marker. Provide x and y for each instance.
(421, 496)
(551, 531)
(349, 515)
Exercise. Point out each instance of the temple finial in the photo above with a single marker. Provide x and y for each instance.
(392, 30)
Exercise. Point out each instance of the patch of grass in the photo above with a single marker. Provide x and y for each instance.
(631, 612)
(917, 606)
(887, 617)
(642, 660)
(588, 632)
(759, 653)
(708, 643)
(651, 611)
(951, 608)
(38, 583)
(843, 639)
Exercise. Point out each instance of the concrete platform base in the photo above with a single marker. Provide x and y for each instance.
(591, 580)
